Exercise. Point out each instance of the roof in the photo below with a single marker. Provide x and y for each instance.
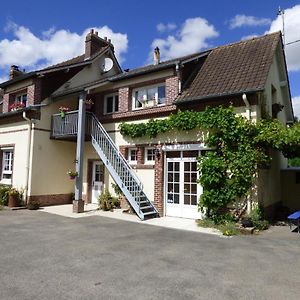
(233, 69)
(78, 60)
(153, 68)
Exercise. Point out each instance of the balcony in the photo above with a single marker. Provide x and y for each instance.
(65, 128)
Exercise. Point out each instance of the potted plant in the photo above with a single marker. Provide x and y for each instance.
(63, 110)
(72, 174)
(88, 104)
(16, 106)
(13, 198)
(33, 204)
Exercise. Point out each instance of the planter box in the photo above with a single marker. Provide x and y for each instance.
(13, 201)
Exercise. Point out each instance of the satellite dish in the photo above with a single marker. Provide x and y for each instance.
(107, 64)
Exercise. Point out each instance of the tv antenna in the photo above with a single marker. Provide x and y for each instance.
(281, 13)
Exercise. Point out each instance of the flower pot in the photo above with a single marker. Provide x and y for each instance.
(13, 201)
(33, 206)
(62, 114)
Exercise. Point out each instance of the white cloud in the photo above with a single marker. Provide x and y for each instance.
(249, 37)
(165, 27)
(292, 33)
(4, 78)
(243, 20)
(296, 106)
(191, 38)
(28, 50)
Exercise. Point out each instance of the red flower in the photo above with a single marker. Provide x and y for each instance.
(17, 105)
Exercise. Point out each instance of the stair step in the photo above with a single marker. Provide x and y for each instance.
(149, 213)
(146, 207)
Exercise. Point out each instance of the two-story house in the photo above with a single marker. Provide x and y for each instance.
(158, 176)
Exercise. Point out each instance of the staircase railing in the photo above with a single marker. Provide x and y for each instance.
(113, 159)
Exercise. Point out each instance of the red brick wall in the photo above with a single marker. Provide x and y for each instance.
(34, 93)
(54, 199)
(159, 182)
(171, 89)
(5, 102)
(124, 99)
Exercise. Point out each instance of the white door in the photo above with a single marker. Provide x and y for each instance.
(97, 181)
(182, 189)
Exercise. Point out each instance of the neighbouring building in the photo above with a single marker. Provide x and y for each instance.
(158, 176)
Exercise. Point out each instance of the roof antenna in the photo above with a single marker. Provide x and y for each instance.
(281, 13)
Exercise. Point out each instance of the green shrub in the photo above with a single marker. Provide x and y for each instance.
(4, 192)
(261, 224)
(228, 229)
(256, 216)
(206, 223)
(107, 202)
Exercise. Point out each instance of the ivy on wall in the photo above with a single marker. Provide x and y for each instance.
(241, 146)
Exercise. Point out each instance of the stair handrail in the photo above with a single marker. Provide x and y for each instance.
(104, 132)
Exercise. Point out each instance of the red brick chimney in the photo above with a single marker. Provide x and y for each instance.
(93, 43)
(14, 72)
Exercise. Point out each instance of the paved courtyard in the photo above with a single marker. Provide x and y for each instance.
(45, 256)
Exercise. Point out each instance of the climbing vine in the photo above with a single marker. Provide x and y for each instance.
(241, 146)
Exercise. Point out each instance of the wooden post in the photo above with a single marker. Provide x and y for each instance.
(78, 203)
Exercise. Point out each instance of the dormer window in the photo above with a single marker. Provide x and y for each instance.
(148, 96)
(21, 99)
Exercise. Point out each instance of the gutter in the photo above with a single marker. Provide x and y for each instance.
(30, 122)
(248, 108)
(250, 91)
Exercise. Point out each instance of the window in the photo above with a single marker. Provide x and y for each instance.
(21, 99)
(149, 155)
(132, 155)
(149, 96)
(111, 103)
(7, 165)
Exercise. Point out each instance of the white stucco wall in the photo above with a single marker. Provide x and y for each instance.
(17, 135)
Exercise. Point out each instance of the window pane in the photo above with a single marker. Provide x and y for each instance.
(193, 200)
(24, 99)
(138, 99)
(151, 154)
(116, 103)
(151, 94)
(161, 95)
(109, 104)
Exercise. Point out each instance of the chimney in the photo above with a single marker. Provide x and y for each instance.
(156, 56)
(93, 43)
(14, 72)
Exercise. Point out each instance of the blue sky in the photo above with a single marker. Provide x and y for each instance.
(34, 34)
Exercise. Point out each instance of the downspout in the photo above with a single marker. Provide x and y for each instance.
(178, 73)
(28, 155)
(248, 108)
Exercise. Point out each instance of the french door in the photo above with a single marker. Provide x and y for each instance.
(182, 189)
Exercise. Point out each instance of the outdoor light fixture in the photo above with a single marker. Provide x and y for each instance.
(157, 153)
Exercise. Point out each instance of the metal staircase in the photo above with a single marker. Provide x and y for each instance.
(117, 165)
(120, 170)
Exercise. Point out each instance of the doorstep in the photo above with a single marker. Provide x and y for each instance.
(92, 210)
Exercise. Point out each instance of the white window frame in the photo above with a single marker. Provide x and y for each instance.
(113, 95)
(144, 103)
(11, 161)
(133, 162)
(147, 161)
(21, 95)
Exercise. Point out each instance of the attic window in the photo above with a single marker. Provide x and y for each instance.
(21, 99)
(149, 96)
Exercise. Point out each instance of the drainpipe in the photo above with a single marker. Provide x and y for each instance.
(28, 155)
(178, 73)
(248, 109)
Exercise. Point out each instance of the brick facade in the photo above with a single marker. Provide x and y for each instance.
(172, 89)
(159, 181)
(124, 94)
(5, 103)
(55, 199)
